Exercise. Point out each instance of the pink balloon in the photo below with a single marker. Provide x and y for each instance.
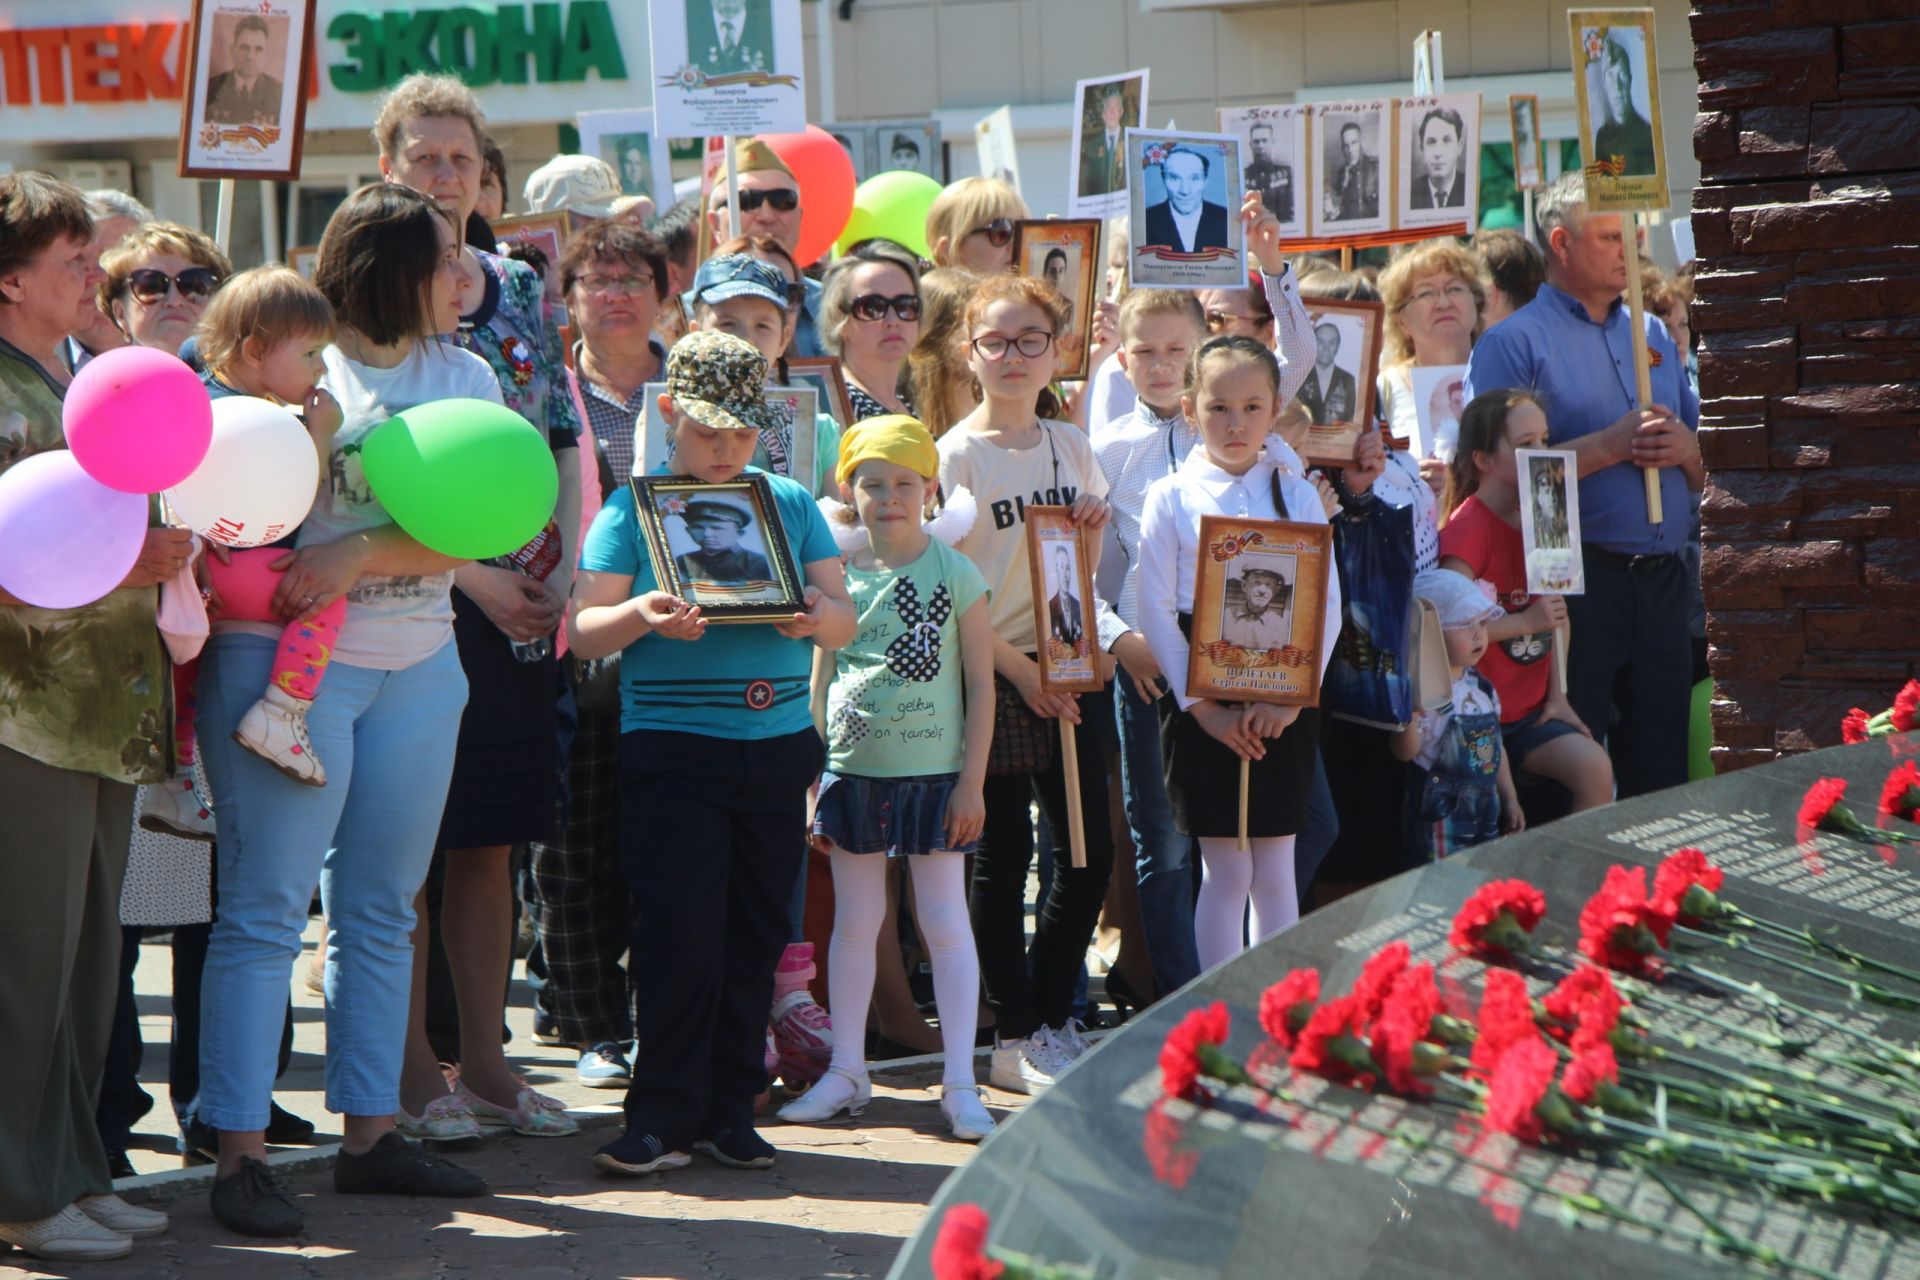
(138, 420)
(65, 539)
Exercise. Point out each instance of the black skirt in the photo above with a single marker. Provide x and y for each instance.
(506, 774)
(1203, 777)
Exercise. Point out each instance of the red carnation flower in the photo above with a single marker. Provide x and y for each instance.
(1620, 927)
(960, 1250)
(1900, 796)
(1497, 919)
(1376, 978)
(1821, 809)
(1506, 1018)
(1331, 1044)
(1906, 707)
(1685, 887)
(1287, 1004)
(1161, 1143)
(1180, 1066)
(1519, 1086)
(1400, 1032)
(1588, 987)
(1591, 1067)
(1853, 726)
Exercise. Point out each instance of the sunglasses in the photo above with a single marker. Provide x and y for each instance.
(874, 306)
(196, 284)
(783, 199)
(999, 232)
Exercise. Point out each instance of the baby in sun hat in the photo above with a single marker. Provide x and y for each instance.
(717, 751)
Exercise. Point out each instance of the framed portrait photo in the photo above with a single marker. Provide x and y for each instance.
(1550, 521)
(1439, 181)
(1351, 169)
(1183, 192)
(910, 145)
(633, 149)
(727, 67)
(1616, 86)
(547, 232)
(1523, 120)
(720, 546)
(1339, 390)
(852, 138)
(303, 258)
(1065, 253)
(1439, 396)
(1273, 147)
(1259, 602)
(243, 114)
(1104, 110)
(792, 454)
(1063, 615)
(825, 376)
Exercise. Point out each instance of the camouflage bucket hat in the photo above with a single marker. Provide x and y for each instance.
(721, 382)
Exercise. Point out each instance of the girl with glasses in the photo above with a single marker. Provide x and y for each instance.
(870, 318)
(970, 224)
(1010, 457)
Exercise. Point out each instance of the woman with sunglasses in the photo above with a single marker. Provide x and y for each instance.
(158, 282)
(971, 225)
(1011, 453)
(870, 318)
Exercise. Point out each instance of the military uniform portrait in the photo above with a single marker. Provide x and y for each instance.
(1256, 611)
(252, 84)
(729, 36)
(1273, 149)
(1350, 139)
(1106, 110)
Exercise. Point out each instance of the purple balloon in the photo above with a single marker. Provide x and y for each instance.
(66, 540)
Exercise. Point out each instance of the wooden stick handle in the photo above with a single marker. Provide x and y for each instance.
(1070, 767)
(1642, 369)
(1561, 635)
(1246, 769)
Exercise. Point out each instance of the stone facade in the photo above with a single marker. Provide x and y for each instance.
(1807, 226)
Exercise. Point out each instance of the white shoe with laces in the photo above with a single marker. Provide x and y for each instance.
(67, 1236)
(1025, 1066)
(1071, 1041)
(275, 729)
(176, 808)
(966, 1114)
(115, 1214)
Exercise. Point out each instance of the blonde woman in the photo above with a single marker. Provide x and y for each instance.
(1435, 294)
(971, 225)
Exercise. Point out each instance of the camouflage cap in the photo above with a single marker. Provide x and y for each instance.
(720, 381)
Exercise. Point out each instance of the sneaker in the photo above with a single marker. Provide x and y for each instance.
(445, 1119)
(285, 1129)
(604, 1067)
(533, 1114)
(770, 1059)
(176, 808)
(115, 1214)
(394, 1166)
(546, 1029)
(252, 1201)
(966, 1114)
(275, 729)
(833, 1093)
(737, 1147)
(1070, 1040)
(639, 1153)
(1025, 1066)
(804, 1035)
(67, 1236)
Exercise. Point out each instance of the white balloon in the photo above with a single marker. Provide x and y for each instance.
(258, 480)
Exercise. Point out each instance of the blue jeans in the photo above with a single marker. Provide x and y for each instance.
(387, 739)
(1163, 858)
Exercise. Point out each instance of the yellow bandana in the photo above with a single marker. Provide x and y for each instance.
(894, 437)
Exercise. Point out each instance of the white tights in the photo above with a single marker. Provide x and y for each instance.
(1231, 876)
(940, 908)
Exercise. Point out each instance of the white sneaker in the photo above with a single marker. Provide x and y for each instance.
(966, 1114)
(68, 1236)
(1025, 1066)
(176, 808)
(275, 729)
(1070, 1041)
(115, 1214)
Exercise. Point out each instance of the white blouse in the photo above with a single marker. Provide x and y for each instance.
(1170, 547)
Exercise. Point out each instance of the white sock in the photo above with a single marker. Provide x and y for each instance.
(859, 906)
(940, 909)
(1231, 876)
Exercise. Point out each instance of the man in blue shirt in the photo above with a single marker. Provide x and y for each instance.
(1629, 666)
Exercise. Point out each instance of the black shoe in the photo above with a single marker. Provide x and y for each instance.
(199, 1143)
(285, 1129)
(738, 1146)
(254, 1202)
(546, 1028)
(638, 1153)
(118, 1166)
(394, 1166)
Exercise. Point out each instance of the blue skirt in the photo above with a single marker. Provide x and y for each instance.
(899, 817)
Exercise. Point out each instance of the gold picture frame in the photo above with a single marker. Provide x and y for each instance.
(1075, 244)
(1064, 623)
(1243, 649)
(1615, 67)
(1354, 372)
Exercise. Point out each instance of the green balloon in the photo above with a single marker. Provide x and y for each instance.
(467, 478)
(894, 207)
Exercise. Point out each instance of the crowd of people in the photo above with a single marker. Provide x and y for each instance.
(442, 746)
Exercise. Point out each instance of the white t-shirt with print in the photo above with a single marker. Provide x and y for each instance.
(392, 623)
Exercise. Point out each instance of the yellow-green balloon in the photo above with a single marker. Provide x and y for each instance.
(467, 478)
(892, 206)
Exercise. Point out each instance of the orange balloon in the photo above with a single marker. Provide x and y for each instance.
(824, 172)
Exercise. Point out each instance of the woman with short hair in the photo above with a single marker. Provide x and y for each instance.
(159, 279)
(970, 224)
(870, 318)
(1434, 293)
